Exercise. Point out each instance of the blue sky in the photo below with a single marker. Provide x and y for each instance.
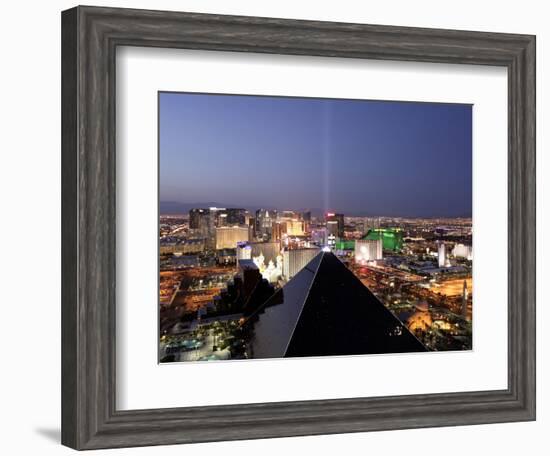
(352, 156)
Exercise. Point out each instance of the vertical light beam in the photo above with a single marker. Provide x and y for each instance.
(326, 146)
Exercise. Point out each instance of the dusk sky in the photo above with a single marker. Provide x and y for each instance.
(351, 156)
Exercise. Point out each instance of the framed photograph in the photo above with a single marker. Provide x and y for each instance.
(279, 228)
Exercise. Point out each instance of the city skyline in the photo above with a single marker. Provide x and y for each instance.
(394, 158)
(296, 227)
(182, 209)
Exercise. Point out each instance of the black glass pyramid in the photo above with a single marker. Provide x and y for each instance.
(326, 310)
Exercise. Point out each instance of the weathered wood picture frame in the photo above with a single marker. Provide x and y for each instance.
(90, 36)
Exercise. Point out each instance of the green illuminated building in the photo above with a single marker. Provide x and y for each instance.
(392, 238)
(345, 244)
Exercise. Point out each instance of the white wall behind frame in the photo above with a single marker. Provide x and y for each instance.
(142, 72)
(30, 180)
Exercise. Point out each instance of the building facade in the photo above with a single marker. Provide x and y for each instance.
(244, 251)
(268, 250)
(264, 223)
(199, 221)
(462, 251)
(392, 238)
(295, 227)
(368, 250)
(295, 260)
(335, 224)
(236, 216)
(441, 255)
(227, 237)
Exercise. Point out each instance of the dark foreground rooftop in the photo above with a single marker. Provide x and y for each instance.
(326, 310)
